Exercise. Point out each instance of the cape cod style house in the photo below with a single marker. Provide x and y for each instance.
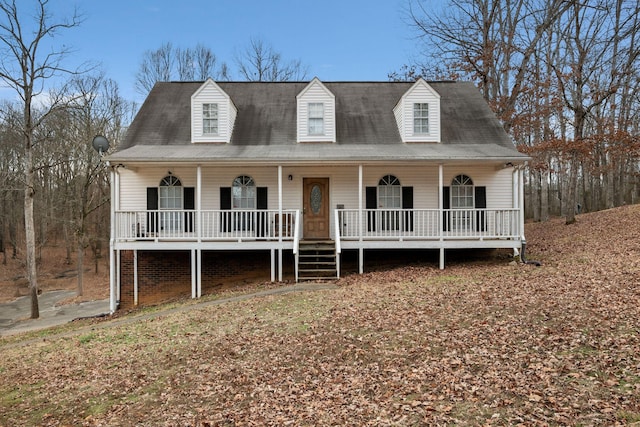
(304, 172)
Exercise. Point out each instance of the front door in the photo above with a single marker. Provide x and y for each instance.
(316, 208)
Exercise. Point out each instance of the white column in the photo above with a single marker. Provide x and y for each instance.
(193, 274)
(521, 201)
(118, 265)
(441, 214)
(135, 277)
(199, 276)
(198, 218)
(361, 220)
(273, 265)
(112, 260)
(280, 222)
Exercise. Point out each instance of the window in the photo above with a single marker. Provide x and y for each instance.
(462, 199)
(316, 118)
(243, 193)
(210, 119)
(389, 197)
(389, 193)
(243, 196)
(462, 192)
(170, 199)
(420, 118)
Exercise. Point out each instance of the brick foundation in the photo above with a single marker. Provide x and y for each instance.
(166, 275)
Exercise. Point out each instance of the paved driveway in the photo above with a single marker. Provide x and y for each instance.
(14, 315)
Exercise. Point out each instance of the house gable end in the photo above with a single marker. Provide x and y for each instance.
(316, 113)
(418, 115)
(213, 114)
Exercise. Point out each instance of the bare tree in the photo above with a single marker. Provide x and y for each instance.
(184, 64)
(26, 70)
(260, 62)
(491, 41)
(156, 66)
(96, 109)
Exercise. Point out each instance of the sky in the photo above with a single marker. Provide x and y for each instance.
(339, 40)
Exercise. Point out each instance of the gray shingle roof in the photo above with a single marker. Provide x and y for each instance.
(265, 127)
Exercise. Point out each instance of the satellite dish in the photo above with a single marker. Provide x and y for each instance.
(100, 144)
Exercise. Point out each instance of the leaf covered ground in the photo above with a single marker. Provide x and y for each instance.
(481, 343)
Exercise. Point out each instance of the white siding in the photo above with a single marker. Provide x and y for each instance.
(316, 92)
(420, 92)
(211, 93)
(133, 185)
(499, 183)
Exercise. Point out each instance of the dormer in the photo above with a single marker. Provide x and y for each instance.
(316, 113)
(418, 114)
(212, 114)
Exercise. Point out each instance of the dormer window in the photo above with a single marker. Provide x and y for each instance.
(421, 118)
(316, 113)
(417, 114)
(213, 114)
(316, 118)
(210, 119)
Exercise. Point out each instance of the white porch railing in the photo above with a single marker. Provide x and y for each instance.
(395, 224)
(208, 225)
(377, 224)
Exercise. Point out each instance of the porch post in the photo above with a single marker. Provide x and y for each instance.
(112, 261)
(199, 273)
(135, 277)
(273, 265)
(198, 218)
(440, 216)
(193, 273)
(118, 283)
(360, 222)
(280, 223)
(521, 201)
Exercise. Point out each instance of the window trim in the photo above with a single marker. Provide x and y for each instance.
(243, 182)
(420, 118)
(465, 182)
(316, 117)
(173, 191)
(389, 182)
(170, 181)
(210, 117)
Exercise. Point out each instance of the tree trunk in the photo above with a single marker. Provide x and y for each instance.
(80, 266)
(572, 189)
(544, 196)
(30, 232)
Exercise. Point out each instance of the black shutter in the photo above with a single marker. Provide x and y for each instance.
(189, 203)
(407, 203)
(481, 203)
(371, 202)
(152, 205)
(446, 204)
(262, 217)
(225, 204)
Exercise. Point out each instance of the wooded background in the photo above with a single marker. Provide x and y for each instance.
(562, 76)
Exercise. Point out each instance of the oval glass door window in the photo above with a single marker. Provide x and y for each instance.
(316, 199)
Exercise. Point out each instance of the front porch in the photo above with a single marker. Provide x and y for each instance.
(278, 224)
(276, 231)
